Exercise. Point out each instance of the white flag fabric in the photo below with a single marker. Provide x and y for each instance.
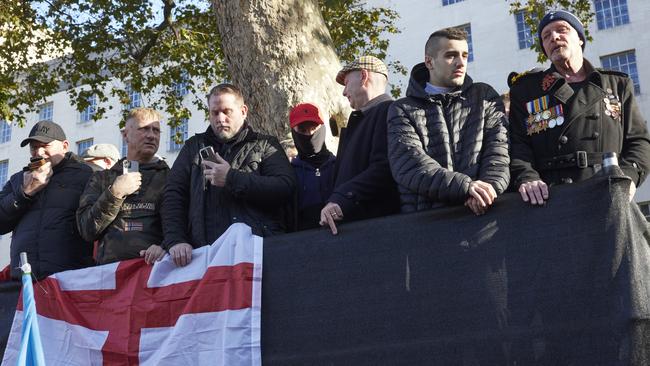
(206, 313)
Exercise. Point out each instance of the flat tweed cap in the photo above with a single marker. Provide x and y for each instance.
(370, 63)
(101, 151)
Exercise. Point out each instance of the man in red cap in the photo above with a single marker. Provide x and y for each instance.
(314, 165)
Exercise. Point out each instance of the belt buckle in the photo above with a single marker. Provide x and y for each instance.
(581, 159)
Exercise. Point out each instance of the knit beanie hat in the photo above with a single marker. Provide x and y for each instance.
(556, 15)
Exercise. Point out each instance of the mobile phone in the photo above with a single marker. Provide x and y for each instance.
(207, 153)
(130, 166)
(35, 163)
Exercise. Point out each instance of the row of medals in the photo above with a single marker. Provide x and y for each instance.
(549, 118)
(612, 106)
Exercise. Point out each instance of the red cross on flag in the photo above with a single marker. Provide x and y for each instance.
(129, 313)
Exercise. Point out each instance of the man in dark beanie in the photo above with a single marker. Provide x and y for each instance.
(314, 165)
(38, 205)
(564, 118)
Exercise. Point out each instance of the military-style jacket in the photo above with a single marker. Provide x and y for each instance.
(559, 130)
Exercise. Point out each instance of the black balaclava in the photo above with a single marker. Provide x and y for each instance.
(312, 149)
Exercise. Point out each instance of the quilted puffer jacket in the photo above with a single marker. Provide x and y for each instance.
(438, 144)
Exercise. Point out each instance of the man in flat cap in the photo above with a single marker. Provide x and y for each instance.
(101, 156)
(563, 119)
(38, 204)
(447, 140)
(363, 186)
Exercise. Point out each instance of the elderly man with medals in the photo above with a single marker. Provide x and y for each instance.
(564, 118)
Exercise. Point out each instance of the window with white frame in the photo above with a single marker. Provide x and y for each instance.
(89, 112)
(524, 33)
(611, 13)
(468, 29)
(83, 145)
(623, 62)
(449, 2)
(180, 87)
(5, 131)
(135, 98)
(176, 134)
(46, 111)
(4, 171)
(125, 147)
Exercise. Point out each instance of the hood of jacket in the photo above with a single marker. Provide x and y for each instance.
(419, 78)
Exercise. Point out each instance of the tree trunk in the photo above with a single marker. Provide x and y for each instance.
(279, 52)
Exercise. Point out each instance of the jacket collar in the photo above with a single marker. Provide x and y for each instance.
(420, 77)
(374, 101)
(560, 88)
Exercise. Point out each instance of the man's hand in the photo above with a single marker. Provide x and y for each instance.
(483, 193)
(153, 254)
(474, 205)
(330, 213)
(217, 172)
(36, 180)
(126, 184)
(181, 254)
(535, 192)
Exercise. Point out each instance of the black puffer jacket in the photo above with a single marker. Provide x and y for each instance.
(44, 226)
(438, 144)
(258, 192)
(123, 226)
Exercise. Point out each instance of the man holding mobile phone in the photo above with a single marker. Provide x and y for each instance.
(120, 207)
(228, 174)
(38, 204)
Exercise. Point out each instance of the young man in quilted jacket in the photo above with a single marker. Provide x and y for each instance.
(447, 139)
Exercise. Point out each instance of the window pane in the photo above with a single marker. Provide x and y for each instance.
(611, 13)
(5, 131)
(623, 62)
(124, 147)
(45, 112)
(88, 113)
(83, 145)
(4, 171)
(524, 33)
(178, 133)
(135, 98)
(180, 87)
(468, 29)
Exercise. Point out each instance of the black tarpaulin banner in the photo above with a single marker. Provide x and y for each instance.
(563, 284)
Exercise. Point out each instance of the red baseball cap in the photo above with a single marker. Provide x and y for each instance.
(305, 112)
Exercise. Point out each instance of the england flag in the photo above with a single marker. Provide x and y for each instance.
(130, 313)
